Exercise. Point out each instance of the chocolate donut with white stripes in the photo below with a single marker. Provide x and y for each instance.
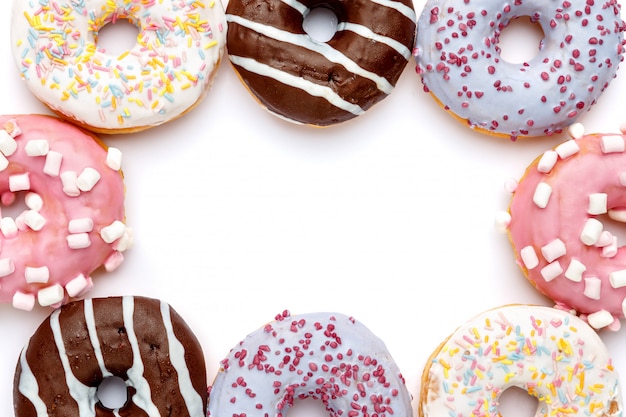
(144, 341)
(318, 83)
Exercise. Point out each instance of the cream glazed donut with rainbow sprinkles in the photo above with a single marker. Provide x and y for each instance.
(164, 75)
(558, 224)
(328, 357)
(551, 354)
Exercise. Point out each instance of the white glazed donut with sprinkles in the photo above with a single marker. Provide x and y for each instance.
(459, 61)
(558, 224)
(166, 73)
(552, 355)
(324, 356)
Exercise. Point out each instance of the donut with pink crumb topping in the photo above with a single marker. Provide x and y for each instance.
(324, 356)
(458, 59)
(73, 220)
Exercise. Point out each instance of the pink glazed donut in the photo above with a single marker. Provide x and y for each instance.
(324, 356)
(557, 222)
(73, 221)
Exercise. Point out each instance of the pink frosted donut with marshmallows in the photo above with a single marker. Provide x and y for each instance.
(73, 218)
(558, 221)
(325, 356)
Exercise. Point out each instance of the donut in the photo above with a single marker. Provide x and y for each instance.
(557, 224)
(164, 75)
(552, 355)
(459, 62)
(309, 82)
(72, 218)
(327, 357)
(141, 340)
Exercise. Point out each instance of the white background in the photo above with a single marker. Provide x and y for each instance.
(389, 217)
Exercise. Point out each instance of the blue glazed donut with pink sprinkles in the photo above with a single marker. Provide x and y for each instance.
(166, 73)
(459, 61)
(329, 357)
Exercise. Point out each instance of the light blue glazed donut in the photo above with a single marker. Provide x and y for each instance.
(459, 62)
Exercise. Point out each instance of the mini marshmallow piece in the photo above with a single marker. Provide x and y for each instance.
(510, 185)
(6, 267)
(591, 231)
(612, 143)
(50, 295)
(113, 262)
(576, 130)
(23, 301)
(87, 179)
(78, 241)
(82, 225)
(68, 178)
(502, 220)
(567, 149)
(37, 147)
(7, 198)
(114, 159)
(12, 128)
(592, 288)
(597, 203)
(551, 271)
(619, 215)
(8, 145)
(4, 162)
(618, 278)
(36, 274)
(33, 201)
(553, 250)
(575, 271)
(78, 286)
(19, 182)
(542, 195)
(8, 227)
(606, 238)
(529, 257)
(600, 319)
(547, 161)
(52, 166)
(610, 250)
(125, 242)
(34, 220)
(113, 231)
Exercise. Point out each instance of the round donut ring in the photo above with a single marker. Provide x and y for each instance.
(309, 82)
(73, 222)
(140, 340)
(556, 223)
(549, 353)
(459, 61)
(164, 75)
(324, 356)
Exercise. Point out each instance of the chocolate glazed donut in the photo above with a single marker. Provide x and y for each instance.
(141, 340)
(310, 82)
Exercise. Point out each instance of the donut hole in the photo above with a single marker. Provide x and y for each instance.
(14, 205)
(117, 38)
(307, 407)
(112, 393)
(517, 402)
(520, 41)
(615, 224)
(320, 24)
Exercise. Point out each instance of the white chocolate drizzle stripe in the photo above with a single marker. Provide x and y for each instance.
(28, 386)
(296, 82)
(93, 336)
(192, 399)
(366, 32)
(402, 8)
(83, 395)
(142, 397)
(305, 41)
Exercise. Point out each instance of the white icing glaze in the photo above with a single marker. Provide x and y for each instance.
(553, 355)
(324, 356)
(179, 46)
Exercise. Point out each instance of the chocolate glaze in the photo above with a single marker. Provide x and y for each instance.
(296, 103)
(161, 385)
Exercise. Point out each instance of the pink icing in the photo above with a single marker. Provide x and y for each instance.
(585, 170)
(45, 255)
